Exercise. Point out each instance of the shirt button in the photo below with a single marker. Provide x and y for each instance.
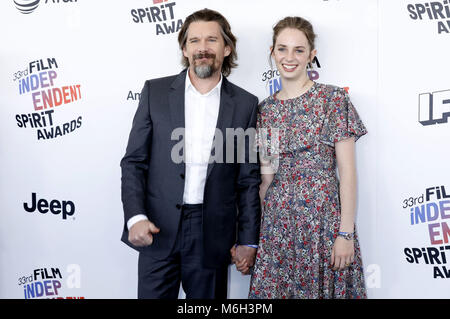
(178, 206)
(182, 176)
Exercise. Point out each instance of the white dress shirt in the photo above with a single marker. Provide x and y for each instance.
(200, 112)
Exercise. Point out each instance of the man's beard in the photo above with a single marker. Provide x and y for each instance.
(204, 71)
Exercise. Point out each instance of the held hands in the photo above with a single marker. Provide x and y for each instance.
(342, 254)
(243, 257)
(140, 234)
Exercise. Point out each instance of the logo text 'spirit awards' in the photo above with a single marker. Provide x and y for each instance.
(39, 81)
(433, 209)
(161, 14)
(438, 11)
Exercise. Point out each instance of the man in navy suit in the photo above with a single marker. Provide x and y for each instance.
(185, 217)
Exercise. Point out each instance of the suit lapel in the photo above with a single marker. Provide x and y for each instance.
(176, 100)
(176, 106)
(224, 120)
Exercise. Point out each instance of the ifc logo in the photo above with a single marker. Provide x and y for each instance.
(26, 6)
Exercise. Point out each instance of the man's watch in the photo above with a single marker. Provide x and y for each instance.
(345, 235)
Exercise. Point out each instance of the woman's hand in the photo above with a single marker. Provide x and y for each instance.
(342, 253)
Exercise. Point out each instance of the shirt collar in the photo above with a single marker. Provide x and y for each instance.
(190, 86)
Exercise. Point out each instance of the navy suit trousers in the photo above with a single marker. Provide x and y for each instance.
(160, 279)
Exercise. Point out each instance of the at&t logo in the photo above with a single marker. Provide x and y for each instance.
(26, 6)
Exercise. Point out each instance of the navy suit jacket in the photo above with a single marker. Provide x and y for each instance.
(153, 184)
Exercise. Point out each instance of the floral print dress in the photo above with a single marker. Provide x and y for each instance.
(301, 210)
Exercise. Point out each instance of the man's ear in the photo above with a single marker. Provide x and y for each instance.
(227, 50)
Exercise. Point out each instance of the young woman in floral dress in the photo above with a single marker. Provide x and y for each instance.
(308, 247)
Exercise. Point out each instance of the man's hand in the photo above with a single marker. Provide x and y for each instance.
(140, 234)
(243, 257)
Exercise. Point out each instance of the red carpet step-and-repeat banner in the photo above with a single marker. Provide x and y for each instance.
(71, 74)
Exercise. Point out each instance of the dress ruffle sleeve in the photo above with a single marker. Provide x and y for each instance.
(342, 120)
